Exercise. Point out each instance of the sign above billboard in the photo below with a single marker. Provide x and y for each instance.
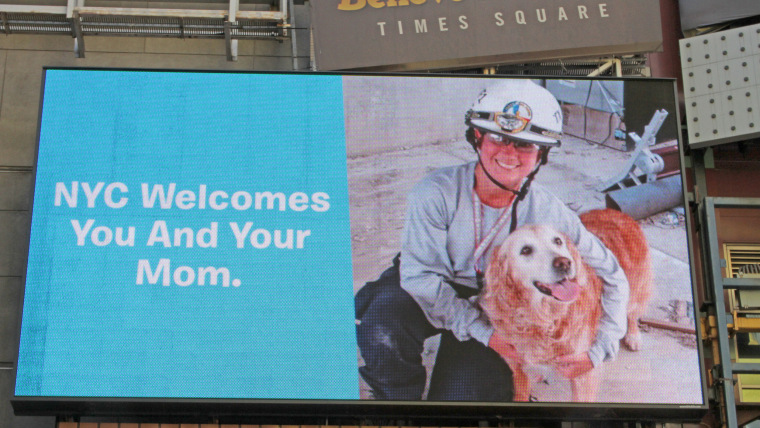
(425, 34)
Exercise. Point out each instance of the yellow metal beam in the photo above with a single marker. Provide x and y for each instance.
(745, 324)
(740, 324)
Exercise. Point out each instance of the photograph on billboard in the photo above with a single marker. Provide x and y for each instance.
(360, 240)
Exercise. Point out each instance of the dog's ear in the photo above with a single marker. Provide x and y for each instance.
(501, 284)
(496, 273)
(497, 268)
(580, 274)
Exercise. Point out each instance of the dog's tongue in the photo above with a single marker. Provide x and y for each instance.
(565, 290)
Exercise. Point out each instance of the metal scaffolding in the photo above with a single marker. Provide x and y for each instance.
(719, 324)
(228, 20)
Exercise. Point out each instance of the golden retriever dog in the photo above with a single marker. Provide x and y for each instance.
(545, 301)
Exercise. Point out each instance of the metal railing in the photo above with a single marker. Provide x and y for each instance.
(223, 21)
(720, 324)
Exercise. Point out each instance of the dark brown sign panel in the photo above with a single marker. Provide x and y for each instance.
(420, 34)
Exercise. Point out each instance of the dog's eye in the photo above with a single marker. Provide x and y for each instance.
(558, 241)
(526, 250)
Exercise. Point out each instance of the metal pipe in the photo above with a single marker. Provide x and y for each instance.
(724, 370)
(70, 5)
(668, 325)
(602, 68)
(17, 8)
(234, 6)
(185, 13)
(291, 13)
(647, 199)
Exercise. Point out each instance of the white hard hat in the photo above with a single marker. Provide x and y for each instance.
(518, 109)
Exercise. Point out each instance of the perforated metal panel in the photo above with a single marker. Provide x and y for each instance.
(721, 86)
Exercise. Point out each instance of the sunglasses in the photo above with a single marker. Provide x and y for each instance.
(520, 146)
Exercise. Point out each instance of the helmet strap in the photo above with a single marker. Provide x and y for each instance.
(524, 189)
(519, 195)
(476, 141)
(544, 159)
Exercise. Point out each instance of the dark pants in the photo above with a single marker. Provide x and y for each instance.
(391, 333)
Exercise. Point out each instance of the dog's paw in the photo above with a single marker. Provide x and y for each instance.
(633, 342)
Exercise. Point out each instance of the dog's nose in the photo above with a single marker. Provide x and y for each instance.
(562, 264)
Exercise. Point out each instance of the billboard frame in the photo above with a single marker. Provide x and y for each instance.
(317, 411)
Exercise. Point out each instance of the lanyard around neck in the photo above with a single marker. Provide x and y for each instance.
(482, 245)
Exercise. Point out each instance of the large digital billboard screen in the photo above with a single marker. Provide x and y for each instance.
(357, 244)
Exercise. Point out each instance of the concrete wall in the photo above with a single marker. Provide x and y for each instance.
(22, 58)
(396, 114)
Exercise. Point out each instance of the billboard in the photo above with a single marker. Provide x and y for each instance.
(229, 242)
(420, 34)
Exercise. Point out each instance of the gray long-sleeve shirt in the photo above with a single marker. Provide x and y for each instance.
(438, 245)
